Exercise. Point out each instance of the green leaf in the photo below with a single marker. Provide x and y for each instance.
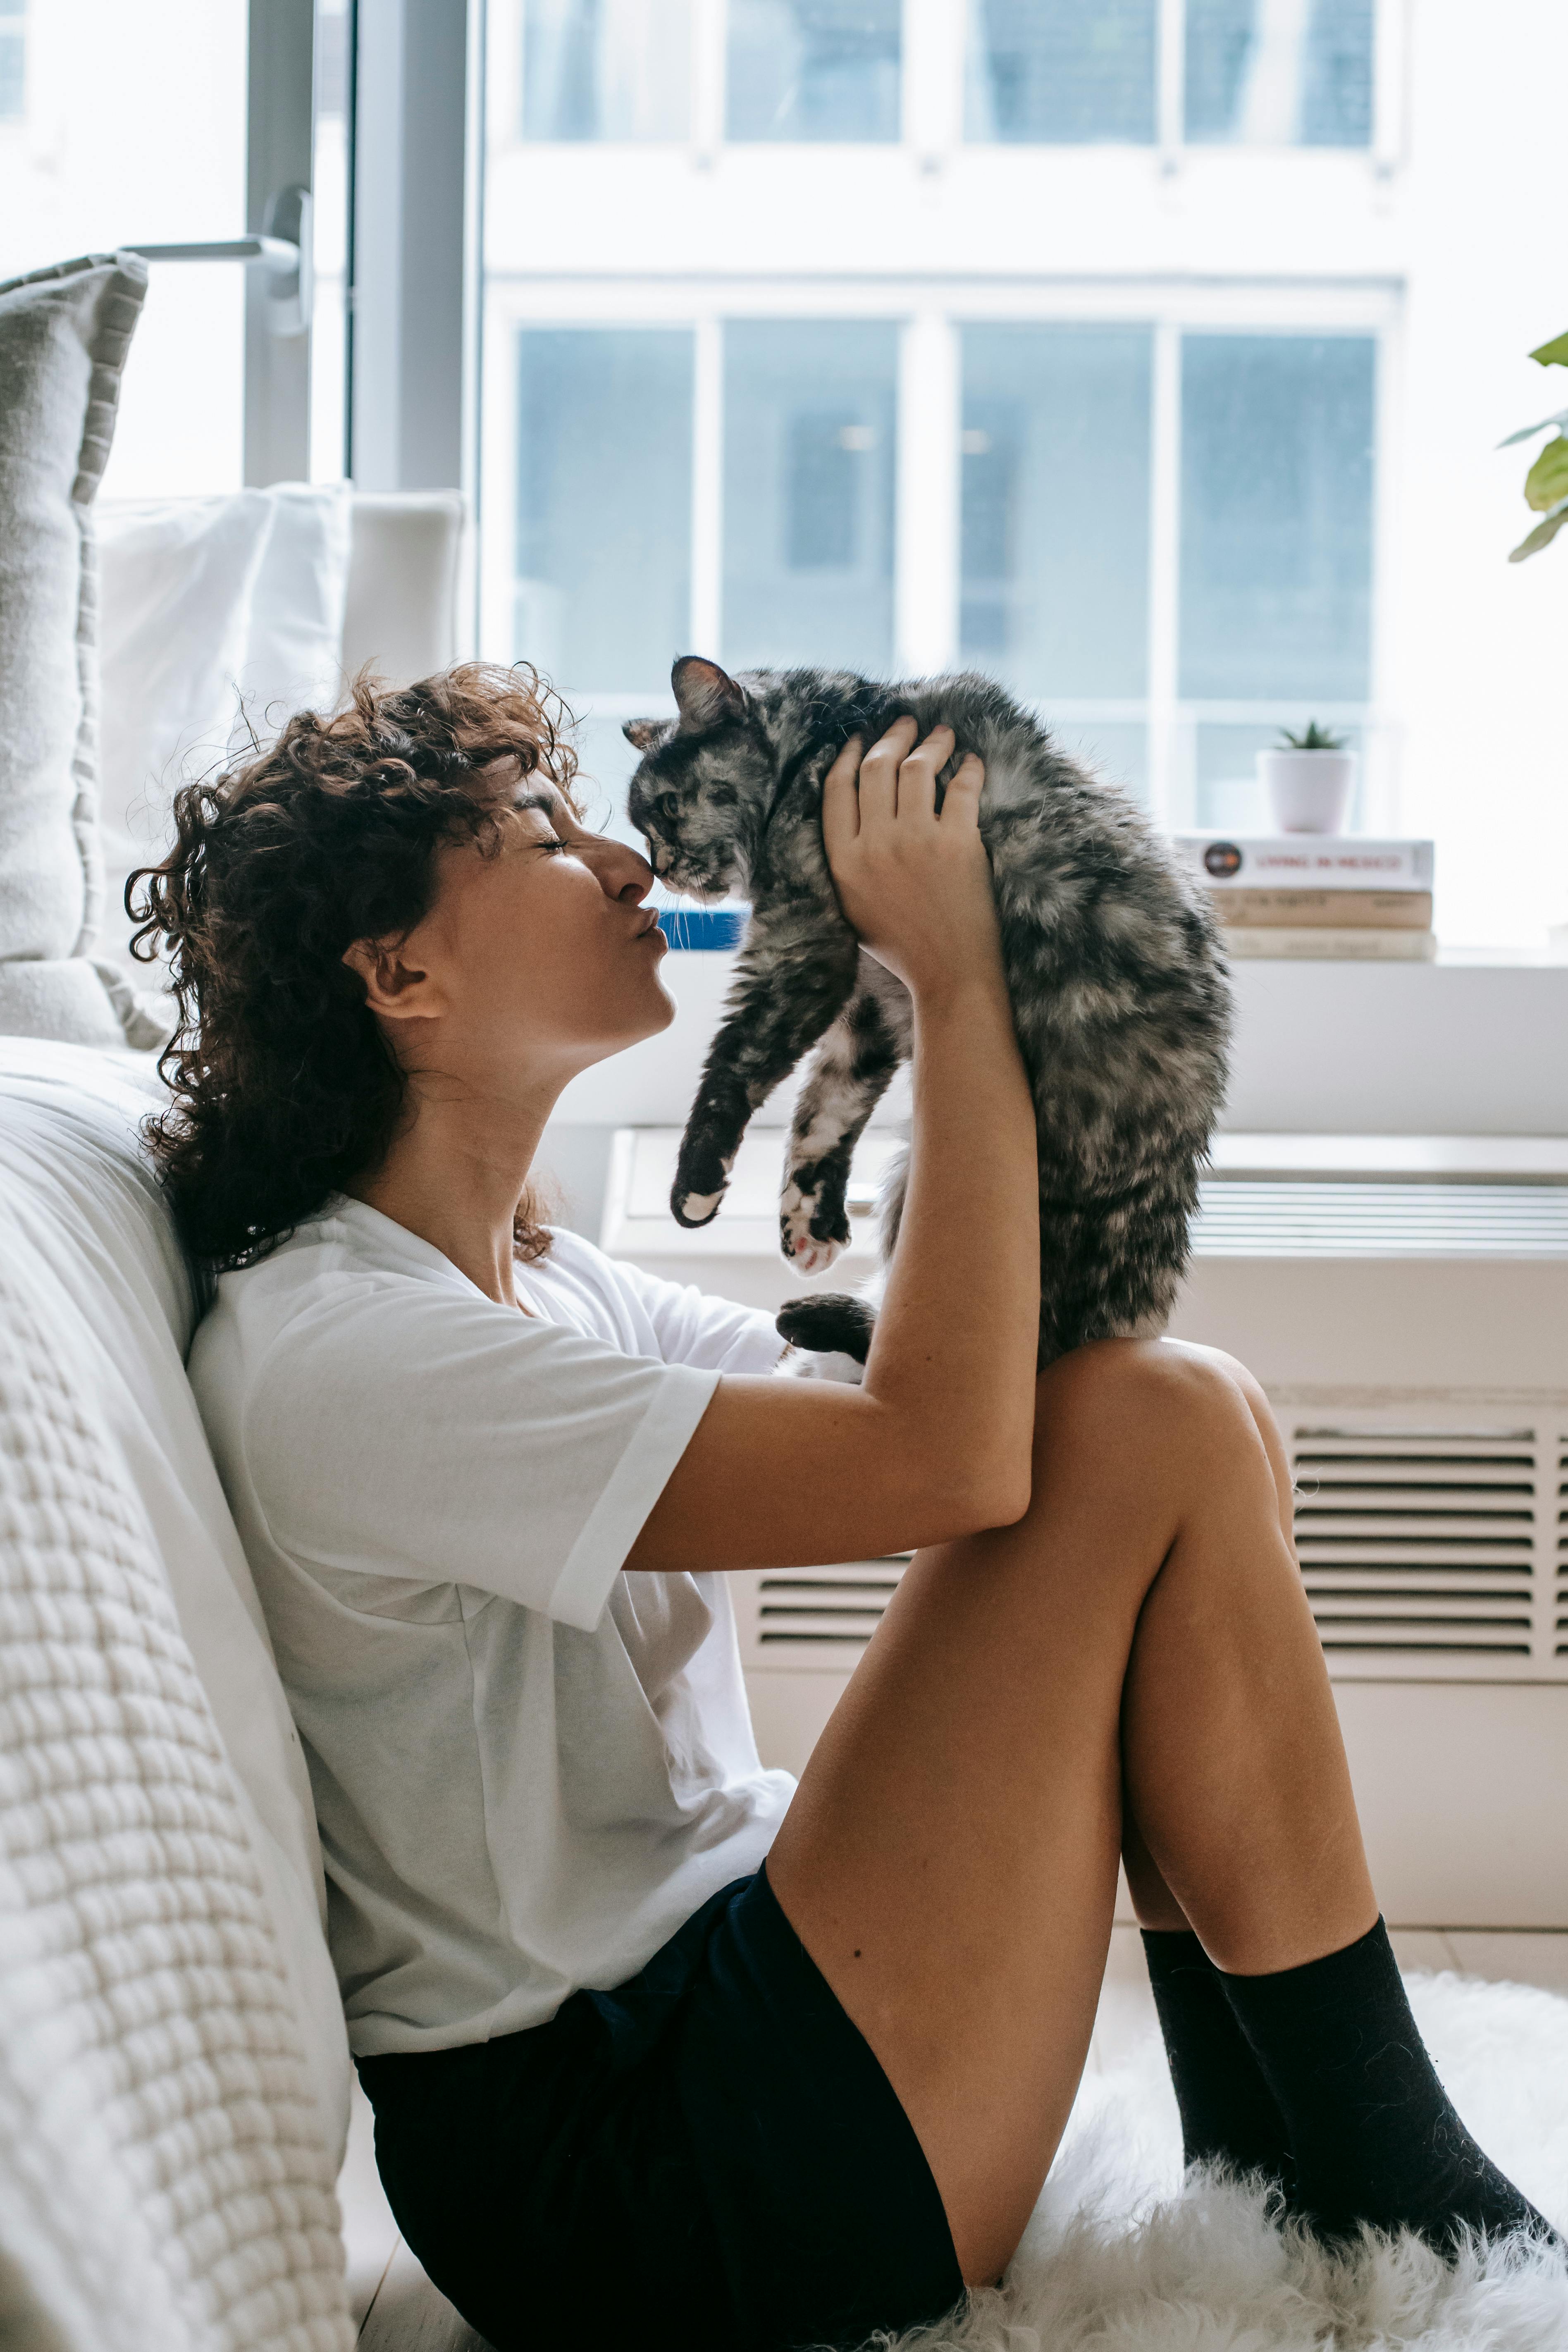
(1547, 480)
(1545, 531)
(1553, 354)
(1528, 432)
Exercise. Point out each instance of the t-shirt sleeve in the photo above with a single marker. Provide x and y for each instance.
(693, 1327)
(399, 1430)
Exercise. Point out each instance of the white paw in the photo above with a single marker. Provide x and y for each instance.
(798, 1243)
(697, 1206)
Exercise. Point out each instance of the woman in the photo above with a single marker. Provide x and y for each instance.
(652, 2032)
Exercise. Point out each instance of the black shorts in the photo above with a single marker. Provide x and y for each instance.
(708, 2157)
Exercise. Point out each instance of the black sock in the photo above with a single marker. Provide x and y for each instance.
(1373, 2133)
(1228, 2112)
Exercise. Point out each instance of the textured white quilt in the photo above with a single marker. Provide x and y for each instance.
(164, 2186)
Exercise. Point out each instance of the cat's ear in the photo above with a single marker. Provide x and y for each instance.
(705, 695)
(643, 732)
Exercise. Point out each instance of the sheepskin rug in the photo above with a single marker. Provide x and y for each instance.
(1122, 2257)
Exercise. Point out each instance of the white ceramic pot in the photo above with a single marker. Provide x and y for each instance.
(1309, 792)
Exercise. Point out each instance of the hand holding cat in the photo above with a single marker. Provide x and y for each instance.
(916, 886)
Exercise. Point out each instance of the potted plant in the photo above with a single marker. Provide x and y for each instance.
(1307, 778)
(1546, 484)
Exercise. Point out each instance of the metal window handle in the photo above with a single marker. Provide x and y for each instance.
(283, 250)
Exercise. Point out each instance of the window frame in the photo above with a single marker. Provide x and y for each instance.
(927, 494)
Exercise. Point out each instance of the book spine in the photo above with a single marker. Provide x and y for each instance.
(1244, 942)
(1378, 910)
(1305, 862)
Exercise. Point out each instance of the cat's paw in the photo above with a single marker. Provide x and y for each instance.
(801, 1235)
(701, 1180)
(836, 1324)
(694, 1209)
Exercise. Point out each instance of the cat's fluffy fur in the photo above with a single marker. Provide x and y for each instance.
(1114, 963)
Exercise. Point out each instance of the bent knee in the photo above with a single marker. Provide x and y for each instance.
(1151, 1388)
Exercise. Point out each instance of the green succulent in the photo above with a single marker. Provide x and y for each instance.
(1312, 738)
(1546, 484)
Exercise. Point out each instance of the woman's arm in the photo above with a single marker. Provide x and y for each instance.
(937, 1440)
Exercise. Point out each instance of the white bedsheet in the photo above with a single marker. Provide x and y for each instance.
(174, 2072)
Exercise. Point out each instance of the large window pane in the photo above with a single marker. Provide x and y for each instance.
(1279, 73)
(1276, 516)
(1056, 507)
(813, 68)
(1061, 71)
(13, 61)
(606, 68)
(604, 504)
(808, 492)
(128, 125)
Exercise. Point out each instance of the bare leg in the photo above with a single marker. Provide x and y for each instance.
(949, 1859)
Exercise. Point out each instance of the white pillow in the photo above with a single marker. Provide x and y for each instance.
(64, 333)
(217, 616)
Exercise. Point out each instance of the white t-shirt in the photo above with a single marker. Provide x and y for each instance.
(530, 1765)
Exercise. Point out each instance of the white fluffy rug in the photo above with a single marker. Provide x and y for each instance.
(1121, 2258)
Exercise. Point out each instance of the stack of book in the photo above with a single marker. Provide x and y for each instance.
(1317, 894)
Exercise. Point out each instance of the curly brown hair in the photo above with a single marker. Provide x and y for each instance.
(285, 1088)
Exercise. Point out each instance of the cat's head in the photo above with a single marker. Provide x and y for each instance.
(703, 783)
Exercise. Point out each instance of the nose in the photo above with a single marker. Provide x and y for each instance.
(624, 874)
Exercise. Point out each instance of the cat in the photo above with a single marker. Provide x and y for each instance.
(1120, 989)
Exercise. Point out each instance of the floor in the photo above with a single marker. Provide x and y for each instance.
(1126, 2013)
(1127, 2008)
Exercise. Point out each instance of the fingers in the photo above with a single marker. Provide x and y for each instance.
(840, 800)
(879, 773)
(960, 801)
(916, 775)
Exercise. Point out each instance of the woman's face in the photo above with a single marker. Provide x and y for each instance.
(538, 958)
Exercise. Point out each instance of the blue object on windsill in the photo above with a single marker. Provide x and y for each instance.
(702, 927)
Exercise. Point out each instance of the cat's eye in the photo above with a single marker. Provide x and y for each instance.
(669, 807)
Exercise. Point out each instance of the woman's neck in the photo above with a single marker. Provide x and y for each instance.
(455, 1176)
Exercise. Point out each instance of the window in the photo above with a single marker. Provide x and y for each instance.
(1057, 449)
(809, 424)
(13, 61)
(1115, 349)
(136, 133)
(814, 69)
(1262, 73)
(1279, 73)
(1062, 72)
(606, 69)
(603, 492)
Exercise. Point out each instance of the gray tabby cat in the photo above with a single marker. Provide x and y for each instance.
(1113, 964)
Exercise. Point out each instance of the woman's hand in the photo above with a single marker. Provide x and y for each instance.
(916, 886)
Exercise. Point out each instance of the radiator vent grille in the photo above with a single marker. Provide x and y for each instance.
(1428, 1553)
(1239, 1218)
(1420, 1542)
(833, 1609)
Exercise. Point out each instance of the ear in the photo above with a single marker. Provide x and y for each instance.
(396, 990)
(705, 694)
(643, 732)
